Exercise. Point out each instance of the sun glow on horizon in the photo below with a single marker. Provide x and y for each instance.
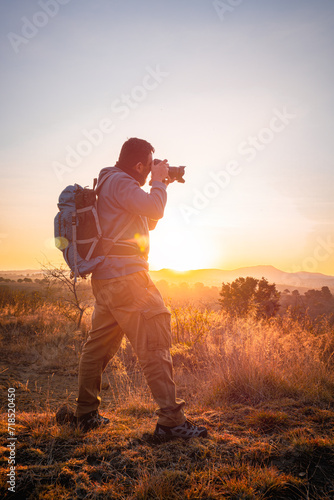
(181, 250)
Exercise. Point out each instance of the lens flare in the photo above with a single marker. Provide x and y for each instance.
(142, 241)
(61, 243)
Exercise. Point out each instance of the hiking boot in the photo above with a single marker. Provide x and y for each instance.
(91, 420)
(186, 431)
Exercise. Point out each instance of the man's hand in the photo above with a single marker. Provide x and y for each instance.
(169, 180)
(160, 171)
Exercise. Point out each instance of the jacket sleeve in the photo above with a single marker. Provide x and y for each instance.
(151, 224)
(128, 195)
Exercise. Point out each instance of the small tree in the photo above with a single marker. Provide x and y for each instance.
(236, 296)
(250, 295)
(72, 297)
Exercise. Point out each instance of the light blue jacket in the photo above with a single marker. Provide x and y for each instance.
(121, 201)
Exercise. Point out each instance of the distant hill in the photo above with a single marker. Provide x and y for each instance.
(215, 277)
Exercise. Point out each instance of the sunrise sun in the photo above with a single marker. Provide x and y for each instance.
(181, 251)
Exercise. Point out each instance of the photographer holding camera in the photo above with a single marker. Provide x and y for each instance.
(126, 300)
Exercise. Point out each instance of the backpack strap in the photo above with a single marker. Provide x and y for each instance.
(117, 237)
(94, 241)
(74, 240)
(99, 183)
(111, 241)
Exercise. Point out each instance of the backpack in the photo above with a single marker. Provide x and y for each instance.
(77, 229)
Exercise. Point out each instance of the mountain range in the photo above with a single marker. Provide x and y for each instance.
(215, 277)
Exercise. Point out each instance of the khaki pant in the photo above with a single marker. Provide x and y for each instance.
(130, 305)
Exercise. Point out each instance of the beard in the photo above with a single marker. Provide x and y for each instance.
(144, 176)
(141, 178)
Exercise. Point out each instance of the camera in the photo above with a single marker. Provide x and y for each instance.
(176, 173)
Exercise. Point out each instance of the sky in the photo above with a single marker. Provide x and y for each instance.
(238, 91)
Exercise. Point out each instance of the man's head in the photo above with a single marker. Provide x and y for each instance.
(136, 159)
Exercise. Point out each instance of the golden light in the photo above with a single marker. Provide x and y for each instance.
(142, 241)
(181, 251)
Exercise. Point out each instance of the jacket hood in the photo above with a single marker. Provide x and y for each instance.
(104, 174)
(105, 171)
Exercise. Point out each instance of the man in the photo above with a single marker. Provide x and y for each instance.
(126, 300)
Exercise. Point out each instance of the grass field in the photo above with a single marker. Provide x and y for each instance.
(264, 389)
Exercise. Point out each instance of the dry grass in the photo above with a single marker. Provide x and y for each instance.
(265, 390)
(249, 361)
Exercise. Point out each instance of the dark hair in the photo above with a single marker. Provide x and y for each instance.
(134, 151)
